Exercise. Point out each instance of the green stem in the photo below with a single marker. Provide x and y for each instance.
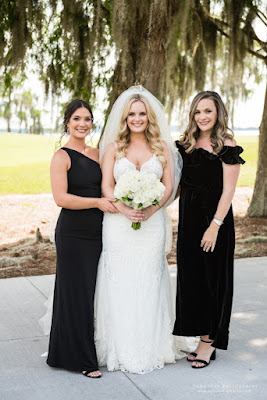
(136, 225)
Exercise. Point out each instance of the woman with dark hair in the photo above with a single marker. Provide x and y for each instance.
(206, 237)
(76, 187)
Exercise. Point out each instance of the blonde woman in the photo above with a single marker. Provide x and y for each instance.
(206, 237)
(133, 311)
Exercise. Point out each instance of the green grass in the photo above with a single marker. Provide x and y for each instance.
(24, 163)
(248, 170)
(25, 159)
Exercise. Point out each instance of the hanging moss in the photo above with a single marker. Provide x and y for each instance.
(199, 67)
(168, 46)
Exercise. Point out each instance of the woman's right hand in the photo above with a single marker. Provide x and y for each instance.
(130, 213)
(106, 204)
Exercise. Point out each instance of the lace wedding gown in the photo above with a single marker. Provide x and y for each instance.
(134, 316)
(134, 307)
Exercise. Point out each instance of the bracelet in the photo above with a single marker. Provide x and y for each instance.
(217, 221)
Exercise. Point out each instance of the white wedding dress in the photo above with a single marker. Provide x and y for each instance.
(133, 307)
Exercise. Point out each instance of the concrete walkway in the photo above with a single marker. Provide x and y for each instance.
(239, 373)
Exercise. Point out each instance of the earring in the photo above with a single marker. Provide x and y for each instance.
(68, 131)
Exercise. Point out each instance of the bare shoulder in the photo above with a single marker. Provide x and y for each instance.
(94, 154)
(166, 148)
(230, 142)
(94, 150)
(111, 149)
(60, 156)
(164, 145)
(109, 155)
(60, 160)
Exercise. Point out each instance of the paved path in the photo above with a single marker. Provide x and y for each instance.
(239, 373)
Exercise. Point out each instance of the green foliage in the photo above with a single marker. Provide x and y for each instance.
(168, 46)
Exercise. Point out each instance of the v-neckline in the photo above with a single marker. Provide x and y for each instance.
(142, 164)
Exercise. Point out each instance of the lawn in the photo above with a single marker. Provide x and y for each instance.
(24, 162)
(248, 170)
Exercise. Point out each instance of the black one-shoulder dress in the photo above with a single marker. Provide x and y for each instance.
(78, 245)
(204, 279)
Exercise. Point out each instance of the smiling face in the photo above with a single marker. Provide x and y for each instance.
(80, 123)
(137, 119)
(206, 115)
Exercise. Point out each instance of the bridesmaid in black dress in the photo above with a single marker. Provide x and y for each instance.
(76, 187)
(206, 238)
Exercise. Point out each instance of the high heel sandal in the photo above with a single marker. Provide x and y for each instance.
(87, 374)
(194, 354)
(191, 354)
(206, 363)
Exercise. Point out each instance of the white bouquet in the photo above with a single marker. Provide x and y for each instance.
(139, 190)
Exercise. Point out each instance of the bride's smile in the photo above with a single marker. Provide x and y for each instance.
(133, 315)
(137, 119)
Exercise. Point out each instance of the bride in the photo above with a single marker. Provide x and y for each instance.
(133, 306)
(134, 321)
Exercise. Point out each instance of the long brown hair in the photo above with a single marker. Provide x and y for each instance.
(220, 131)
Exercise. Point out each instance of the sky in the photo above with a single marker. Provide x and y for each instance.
(249, 113)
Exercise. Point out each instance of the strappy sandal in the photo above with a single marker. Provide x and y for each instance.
(206, 363)
(191, 354)
(194, 354)
(87, 374)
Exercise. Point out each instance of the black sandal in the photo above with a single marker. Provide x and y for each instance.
(86, 373)
(191, 354)
(206, 363)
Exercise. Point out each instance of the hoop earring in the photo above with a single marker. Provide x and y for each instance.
(68, 131)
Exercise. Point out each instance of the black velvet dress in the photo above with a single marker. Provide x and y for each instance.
(78, 245)
(204, 279)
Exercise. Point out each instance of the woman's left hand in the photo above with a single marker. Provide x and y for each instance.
(209, 239)
(149, 211)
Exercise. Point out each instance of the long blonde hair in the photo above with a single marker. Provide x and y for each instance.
(220, 131)
(152, 131)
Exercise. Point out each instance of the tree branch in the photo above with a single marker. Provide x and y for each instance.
(220, 24)
(252, 33)
(260, 14)
(258, 55)
(106, 12)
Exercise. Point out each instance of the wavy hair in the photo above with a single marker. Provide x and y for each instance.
(152, 131)
(220, 131)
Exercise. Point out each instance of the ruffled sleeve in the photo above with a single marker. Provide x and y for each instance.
(230, 155)
(179, 146)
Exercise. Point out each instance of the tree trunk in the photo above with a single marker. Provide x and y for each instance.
(26, 125)
(145, 63)
(146, 71)
(8, 125)
(258, 205)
